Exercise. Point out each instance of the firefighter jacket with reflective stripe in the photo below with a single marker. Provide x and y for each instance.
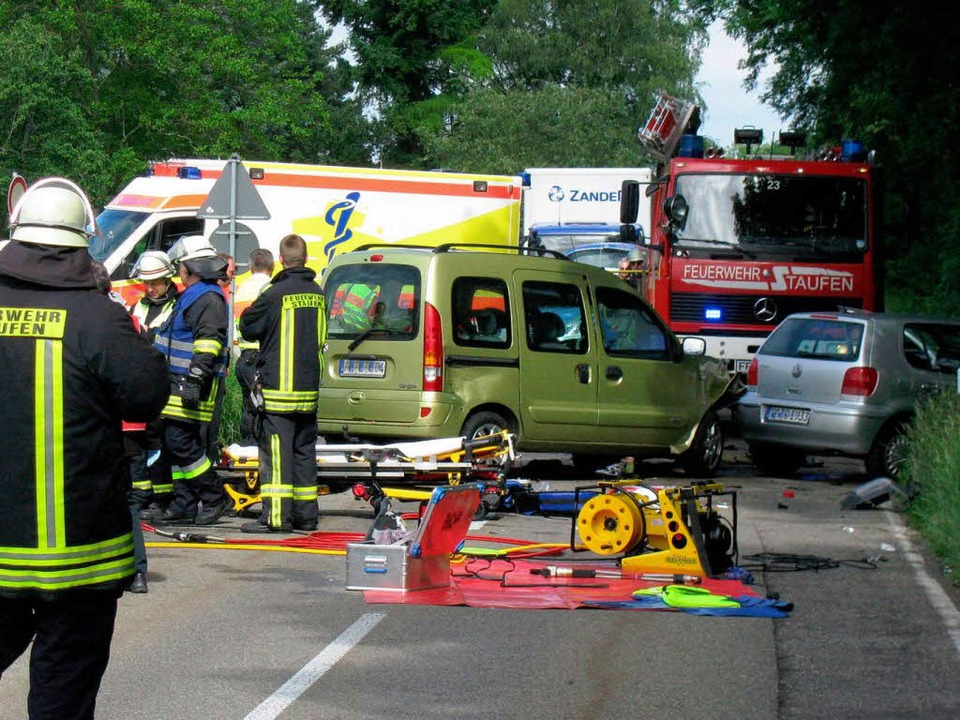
(248, 291)
(152, 314)
(74, 366)
(194, 343)
(289, 321)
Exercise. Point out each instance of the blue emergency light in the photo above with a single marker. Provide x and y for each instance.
(189, 173)
(691, 146)
(713, 314)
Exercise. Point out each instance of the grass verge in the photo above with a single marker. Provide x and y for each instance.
(932, 476)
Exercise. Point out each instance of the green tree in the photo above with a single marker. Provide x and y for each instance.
(413, 58)
(100, 86)
(571, 82)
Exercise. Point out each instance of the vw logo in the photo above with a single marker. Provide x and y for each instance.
(765, 309)
(556, 193)
(796, 370)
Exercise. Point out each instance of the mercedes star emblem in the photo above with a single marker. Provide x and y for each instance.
(765, 309)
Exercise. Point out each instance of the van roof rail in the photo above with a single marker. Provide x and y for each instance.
(407, 246)
(521, 249)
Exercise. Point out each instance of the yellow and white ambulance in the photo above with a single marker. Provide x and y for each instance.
(335, 209)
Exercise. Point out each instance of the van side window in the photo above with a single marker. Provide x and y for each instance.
(629, 328)
(481, 312)
(555, 321)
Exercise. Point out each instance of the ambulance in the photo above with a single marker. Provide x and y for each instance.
(335, 209)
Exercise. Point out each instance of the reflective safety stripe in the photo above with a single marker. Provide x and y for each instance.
(211, 347)
(141, 309)
(276, 488)
(204, 413)
(305, 493)
(277, 401)
(142, 485)
(159, 489)
(188, 472)
(288, 334)
(48, 442)
(87, 564)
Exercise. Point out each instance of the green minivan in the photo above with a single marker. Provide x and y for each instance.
(429, 342)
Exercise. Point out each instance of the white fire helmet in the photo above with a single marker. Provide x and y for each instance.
(191, 247)
(153, 265)
(53, 211)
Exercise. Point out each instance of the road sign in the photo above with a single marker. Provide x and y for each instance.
(18, 186)
(233, 196)
(245, 241)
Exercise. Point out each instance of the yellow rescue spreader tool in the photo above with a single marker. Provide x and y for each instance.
(674, 530)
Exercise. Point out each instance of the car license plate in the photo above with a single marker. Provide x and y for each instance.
(790, 416)
(741, 366)
(356, 367)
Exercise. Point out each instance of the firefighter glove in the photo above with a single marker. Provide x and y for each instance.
(190, 386)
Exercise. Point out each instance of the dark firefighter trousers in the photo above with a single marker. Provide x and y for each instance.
(288, 470)
(71, 633)
(194, 479)
(246, 374)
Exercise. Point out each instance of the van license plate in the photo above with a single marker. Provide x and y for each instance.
(355, 367)
(790, 416)
(741, 366)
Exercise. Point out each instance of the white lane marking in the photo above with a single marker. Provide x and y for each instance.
(293, 688)
(935, 593)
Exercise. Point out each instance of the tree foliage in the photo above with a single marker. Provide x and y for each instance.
(886, 73)
(413, 57)
(93, 88)
(571, 82)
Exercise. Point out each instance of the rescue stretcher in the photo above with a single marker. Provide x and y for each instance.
(402, 471)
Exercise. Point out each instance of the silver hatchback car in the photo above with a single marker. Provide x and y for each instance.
(844, 383)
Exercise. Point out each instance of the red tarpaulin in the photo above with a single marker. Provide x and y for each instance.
(501, 583)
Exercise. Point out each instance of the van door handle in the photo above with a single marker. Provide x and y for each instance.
(583, 373)
(614, 373)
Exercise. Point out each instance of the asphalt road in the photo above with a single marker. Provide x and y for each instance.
(254, 634)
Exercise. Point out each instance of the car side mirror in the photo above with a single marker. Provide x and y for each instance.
(629, 202)
(694, 346)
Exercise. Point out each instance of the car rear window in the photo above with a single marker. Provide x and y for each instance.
(374, 299)
(825, 339)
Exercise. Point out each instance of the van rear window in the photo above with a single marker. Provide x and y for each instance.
(816, 338)
(376, 299)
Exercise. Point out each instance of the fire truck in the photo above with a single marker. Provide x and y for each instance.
(736, 245)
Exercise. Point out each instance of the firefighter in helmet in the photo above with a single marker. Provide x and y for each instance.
(74, 368)
(152, 482)
(194, 341)
(156, 272)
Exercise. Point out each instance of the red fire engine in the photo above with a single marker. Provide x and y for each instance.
(736, 245)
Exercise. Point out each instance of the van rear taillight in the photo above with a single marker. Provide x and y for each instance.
(752, 372)
(432, 349)
(860, 381)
